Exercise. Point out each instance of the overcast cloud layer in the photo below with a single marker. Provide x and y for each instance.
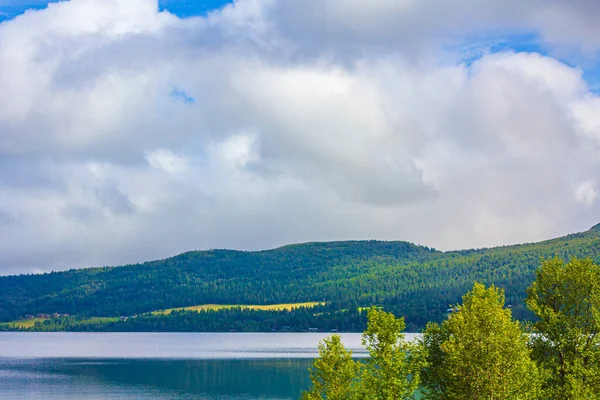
(128, 134)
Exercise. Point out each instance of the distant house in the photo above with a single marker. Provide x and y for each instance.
(313, 329)
(334, 330)
(43, 315)
(123, 318)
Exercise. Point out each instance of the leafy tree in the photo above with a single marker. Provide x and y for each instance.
(334, 373)
(390, 373)
(566, 299)
(479, 352)
(435, 377)
(392, 370)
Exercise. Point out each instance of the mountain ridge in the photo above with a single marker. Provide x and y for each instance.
(412, 280)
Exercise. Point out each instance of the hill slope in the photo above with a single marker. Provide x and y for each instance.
(415, 281)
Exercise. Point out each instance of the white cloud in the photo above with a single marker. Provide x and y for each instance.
(168, 161)
(587, 193)
(371, 131)
(237, 151)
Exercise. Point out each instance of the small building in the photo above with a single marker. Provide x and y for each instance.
(313, 329)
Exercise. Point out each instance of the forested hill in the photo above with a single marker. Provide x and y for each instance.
(413, 281)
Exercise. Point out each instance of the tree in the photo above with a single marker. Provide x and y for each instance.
(390, 373)
(479, 352)
(392, 370)
(434, 376)
(334, 374)
(566, 299)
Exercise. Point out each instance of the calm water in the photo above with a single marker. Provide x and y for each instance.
(223, 366)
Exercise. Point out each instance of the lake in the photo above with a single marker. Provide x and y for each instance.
(208, 366)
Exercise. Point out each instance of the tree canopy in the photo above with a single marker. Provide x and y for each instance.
(390, 373)
(565, 297)
(479, 352)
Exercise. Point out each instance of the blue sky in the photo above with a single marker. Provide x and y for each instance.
(187, 8)
(182, 8)
(474, 47)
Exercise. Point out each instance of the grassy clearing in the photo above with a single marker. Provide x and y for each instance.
(24, 323)
(270, 307)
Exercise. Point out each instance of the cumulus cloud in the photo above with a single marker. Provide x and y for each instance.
(128, 134)
(167, 161)
(586, 193)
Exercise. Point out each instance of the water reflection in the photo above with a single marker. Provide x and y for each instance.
(153, 379)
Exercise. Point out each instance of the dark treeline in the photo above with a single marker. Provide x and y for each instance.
(223, 320)
(416, 282)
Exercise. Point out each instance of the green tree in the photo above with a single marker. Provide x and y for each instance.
(479, 352)
(334, 374)
(392, 370)
(390, 373)
(566, 299)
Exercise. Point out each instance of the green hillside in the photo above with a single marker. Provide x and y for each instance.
(413, 281)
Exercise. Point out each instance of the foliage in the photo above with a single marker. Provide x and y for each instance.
(392, 370)
(566, 299)
(334, 374)
(479, 352)
(390, 373)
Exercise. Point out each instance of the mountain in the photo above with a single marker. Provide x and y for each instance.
(417, 282)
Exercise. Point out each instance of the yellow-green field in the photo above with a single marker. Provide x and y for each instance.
(270, 307)
(24, 323)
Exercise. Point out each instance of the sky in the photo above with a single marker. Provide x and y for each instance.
(133, 130)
